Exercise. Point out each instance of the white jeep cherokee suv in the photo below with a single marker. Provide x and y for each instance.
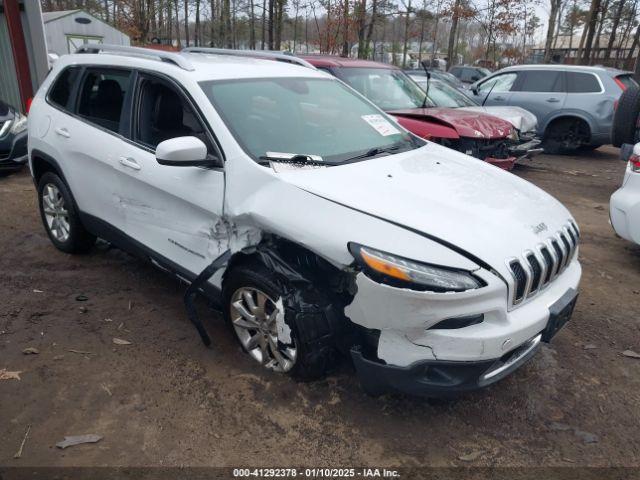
(317, 224)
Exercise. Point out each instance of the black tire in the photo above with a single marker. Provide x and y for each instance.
(306, 313)
(79, 240)
(565, 136)
(625, 119)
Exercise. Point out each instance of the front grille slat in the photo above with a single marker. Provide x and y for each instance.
(534, 271)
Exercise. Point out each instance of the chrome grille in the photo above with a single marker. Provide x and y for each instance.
(537, 268)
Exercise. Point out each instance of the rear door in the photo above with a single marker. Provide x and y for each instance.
(87, 136)
(542, 92)
(173, 211)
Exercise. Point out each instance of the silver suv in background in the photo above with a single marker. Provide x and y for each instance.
(574, 104)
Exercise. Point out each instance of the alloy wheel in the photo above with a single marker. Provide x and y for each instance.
(253, 315)
(55, 212)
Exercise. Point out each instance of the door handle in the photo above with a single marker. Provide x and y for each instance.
(129, 162)
(552, 100)
(499, 98)
(63, 132)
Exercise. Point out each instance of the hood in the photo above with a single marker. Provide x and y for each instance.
(523, 120)
(483, 210)
(465, 123)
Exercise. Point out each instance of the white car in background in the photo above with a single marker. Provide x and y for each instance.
(624, 207)
(314, 221)
(444, 95)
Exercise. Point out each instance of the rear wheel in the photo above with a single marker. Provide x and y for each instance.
(566, 136)
(60, 216)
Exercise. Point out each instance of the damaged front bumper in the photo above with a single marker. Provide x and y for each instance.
(439, 378)
(526, 150)
(417, 349)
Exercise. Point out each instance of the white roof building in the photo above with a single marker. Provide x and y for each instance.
(66, 30)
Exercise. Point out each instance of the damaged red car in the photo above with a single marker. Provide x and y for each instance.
(477, 134)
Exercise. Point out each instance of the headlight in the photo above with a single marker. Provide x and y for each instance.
(19, 124)
(401, 272)
(513, 135)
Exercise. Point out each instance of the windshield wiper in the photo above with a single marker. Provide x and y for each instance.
(292, 158)
(372, 153)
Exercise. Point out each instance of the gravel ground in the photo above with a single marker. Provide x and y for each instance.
(165, 400)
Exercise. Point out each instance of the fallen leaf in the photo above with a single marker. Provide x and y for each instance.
(31, 351)
(631, 354)
(35, 290)
(470, 457)
(7, 375)
(120, 341)
(82, 298)
(590, 346)
(78, 439)
(81, 352)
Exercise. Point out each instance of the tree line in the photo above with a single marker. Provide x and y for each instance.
(404, 32)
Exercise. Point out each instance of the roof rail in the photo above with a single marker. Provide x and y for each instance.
(169, 57)
(266, 54)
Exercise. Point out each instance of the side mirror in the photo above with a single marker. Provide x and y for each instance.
(185, 152)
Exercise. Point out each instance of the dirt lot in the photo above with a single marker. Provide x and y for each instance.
(167, 400)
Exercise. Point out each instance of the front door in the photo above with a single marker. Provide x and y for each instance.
(174, 211)
(496, 90)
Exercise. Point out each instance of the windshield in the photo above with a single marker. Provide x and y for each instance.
(444, 95)
(389, 89)
(276, 117)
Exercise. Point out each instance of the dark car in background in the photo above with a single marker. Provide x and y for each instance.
(13, 139)
(469, 74)
(437, 75)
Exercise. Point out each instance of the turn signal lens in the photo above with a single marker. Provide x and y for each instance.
(382, 266)
(634, 163)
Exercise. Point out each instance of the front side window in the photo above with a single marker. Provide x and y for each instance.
(102, 96)
(541, 81)
(303, 116)
(445, 96)
(388, 89)
(63, 85)
(578, 82)
(164, 114)
(499, 84)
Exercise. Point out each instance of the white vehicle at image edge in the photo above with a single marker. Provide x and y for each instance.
(320, 227)
(624, 207)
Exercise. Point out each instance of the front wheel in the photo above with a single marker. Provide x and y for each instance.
(288, 337)
(60, 216)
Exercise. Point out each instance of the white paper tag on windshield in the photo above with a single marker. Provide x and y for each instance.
(381, 125)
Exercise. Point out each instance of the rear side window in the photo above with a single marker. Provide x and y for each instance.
(63, 85)
(102, 96)
(541, 81)
(578, 82)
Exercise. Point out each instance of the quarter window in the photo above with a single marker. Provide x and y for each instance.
(102, 97)
(164, 114)
(582, 83)
(541, 81)
(62, 87)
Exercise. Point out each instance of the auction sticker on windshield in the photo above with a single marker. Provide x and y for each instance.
(381, 125)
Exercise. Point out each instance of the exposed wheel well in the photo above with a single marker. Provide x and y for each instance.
(41, 163)
(565, 120)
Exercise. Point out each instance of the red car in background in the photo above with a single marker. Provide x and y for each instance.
(477, 134)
